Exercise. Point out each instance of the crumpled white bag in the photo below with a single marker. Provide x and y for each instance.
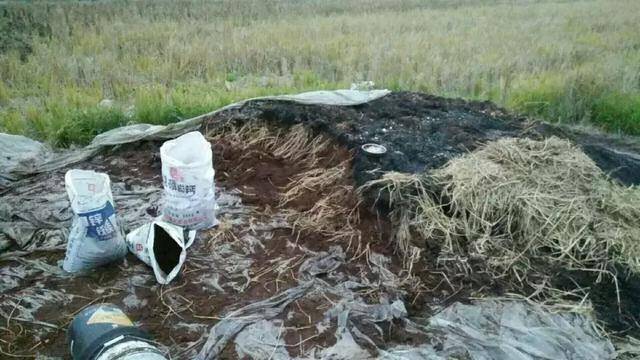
(162, 246)
(187, 175)
(95, 238)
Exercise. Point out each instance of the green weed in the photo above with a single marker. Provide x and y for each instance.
(617, 111)
(84, 125)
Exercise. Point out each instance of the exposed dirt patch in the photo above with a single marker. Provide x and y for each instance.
(183, 311)
(257, 174)
(620, 317)
(132, 163)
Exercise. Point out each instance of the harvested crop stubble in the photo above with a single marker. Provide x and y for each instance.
(525, 208)
(295, 144)
(327, 216)
(316, 179)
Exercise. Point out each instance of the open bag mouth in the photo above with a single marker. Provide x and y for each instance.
(165, 249)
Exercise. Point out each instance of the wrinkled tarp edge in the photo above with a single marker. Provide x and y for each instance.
(137, 132)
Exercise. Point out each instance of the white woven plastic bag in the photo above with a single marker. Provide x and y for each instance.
(187, 175)
(162, 246)
(95, 238)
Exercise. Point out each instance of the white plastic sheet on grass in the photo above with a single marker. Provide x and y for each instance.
(19, 155)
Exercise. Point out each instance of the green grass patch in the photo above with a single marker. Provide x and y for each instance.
(545, 96)
(84, 125)
(65, 122)
(574, 98)
(617, 112)
(551, 98)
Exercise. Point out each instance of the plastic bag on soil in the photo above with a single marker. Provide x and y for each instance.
(162, 246)
(187, 175)
(262, 340)
(95, 238)
(231, 324)
(485, 330)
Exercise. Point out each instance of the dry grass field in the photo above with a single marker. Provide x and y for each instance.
(161, 61)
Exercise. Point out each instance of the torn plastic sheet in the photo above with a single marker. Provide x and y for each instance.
(262, 340)
(24, 305)
(508, 329)
(231, 324)
(487, 329)
(258, 333)
(370, 312)
(345, 347)
(23, 156)
(20, 155)
(37, 216)
(322, 263)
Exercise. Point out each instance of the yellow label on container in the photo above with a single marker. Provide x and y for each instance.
(109, 317)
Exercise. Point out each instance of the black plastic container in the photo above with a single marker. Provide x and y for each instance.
(105, 332)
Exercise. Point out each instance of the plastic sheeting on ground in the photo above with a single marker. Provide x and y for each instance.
(484, 330)
(508, 329)
(24, 222)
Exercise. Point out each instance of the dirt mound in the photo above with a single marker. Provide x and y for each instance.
(286, 198)
(423, 132)
(290, 211)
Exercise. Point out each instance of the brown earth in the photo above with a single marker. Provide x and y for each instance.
(261, 177)
(421, 132)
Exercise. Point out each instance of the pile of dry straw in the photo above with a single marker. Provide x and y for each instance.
(525, 209)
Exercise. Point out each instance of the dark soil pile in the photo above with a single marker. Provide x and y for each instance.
(422, 132)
